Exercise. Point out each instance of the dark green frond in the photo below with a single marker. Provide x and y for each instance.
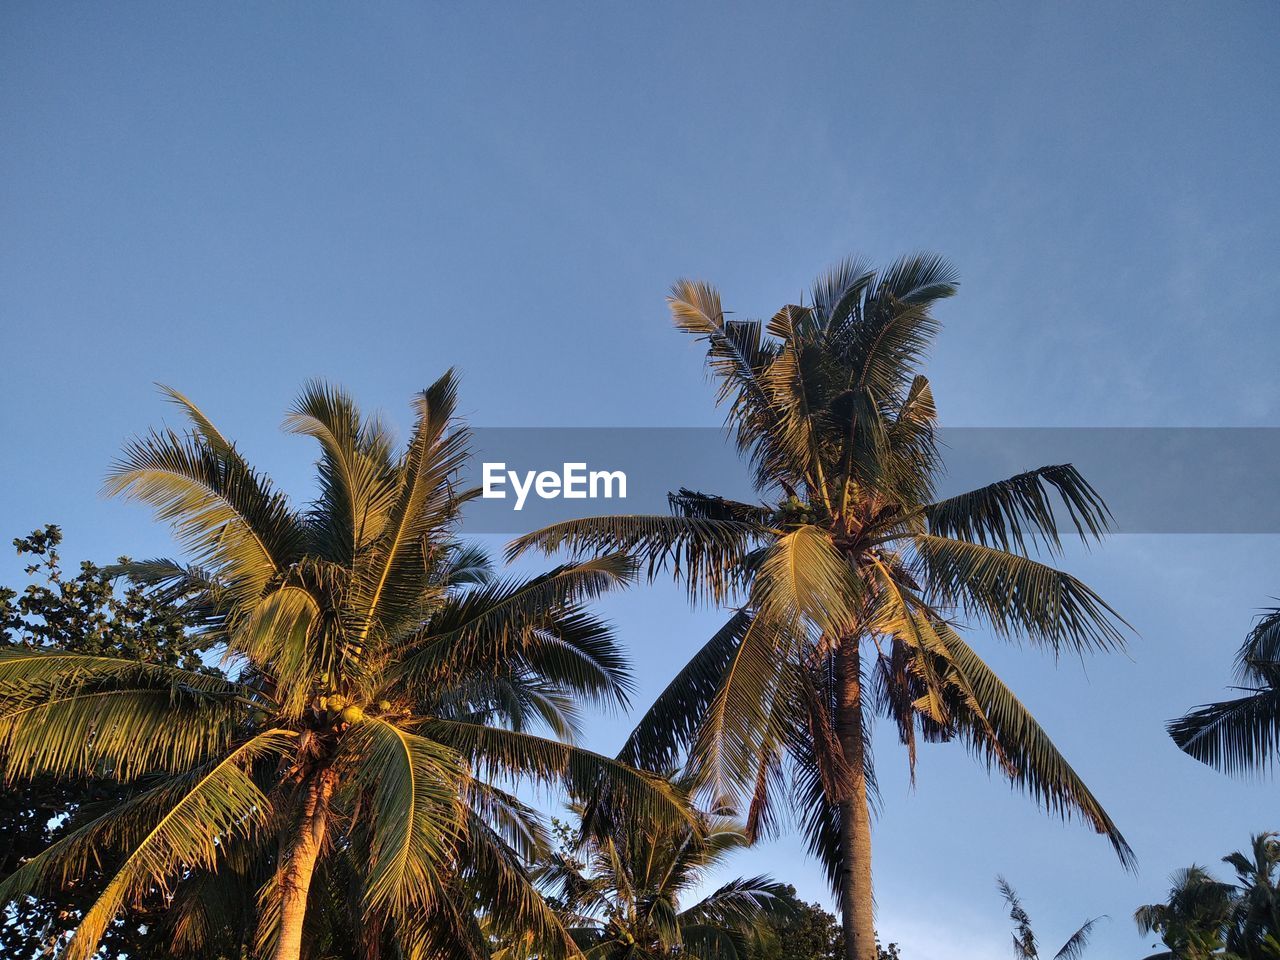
(1233, 735)
(1018, 513)
(670, 724)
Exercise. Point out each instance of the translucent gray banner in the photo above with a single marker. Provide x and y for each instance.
(1155, 480)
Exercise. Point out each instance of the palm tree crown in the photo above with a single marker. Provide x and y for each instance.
(1204, 917)
(621, 882)
(1025, 946)
(850, 580)
(379, 678)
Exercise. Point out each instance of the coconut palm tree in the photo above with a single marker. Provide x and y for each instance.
(1241, 733)
(850, 579)
(380, 677)
(1205, 917)
(1193, 921)
(1025, 946)
(620, 883)
(1255, 930)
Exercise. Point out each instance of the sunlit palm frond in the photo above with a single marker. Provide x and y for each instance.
(702, 553)
(415, 786)
(387, 585)
(226, 514)
(175, 827)
(724, 756)
(1018, 596)
(357, 477)
(803, 578)
(70, 715)
(277, 634)
(493, 751)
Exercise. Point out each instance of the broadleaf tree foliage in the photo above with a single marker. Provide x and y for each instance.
(88, 611)
(851, 585)
(380, 685)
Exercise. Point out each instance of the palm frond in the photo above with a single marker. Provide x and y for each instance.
(726, 752)
(226, 514)
(1017, 595)
(804, 577)
(415, 786)
(178, 826)
(507, 894)
(389, 570)
(700, 552)
(357, 480)
(71, 715)
(1078, 941)
(1018, 513)
(1233, 735)
(493, 751)
(1000, 728)
(671, 722)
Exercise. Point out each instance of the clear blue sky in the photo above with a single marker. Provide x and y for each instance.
(234, 197)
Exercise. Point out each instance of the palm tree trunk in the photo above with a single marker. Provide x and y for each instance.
(300, 864)
(856, 914)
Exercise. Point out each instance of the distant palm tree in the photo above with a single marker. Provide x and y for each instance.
(1024, 938)
(1255, 930)
(851, 576)
(380, 677)
(1205, 917)
(621, 890)
(1242, 733)
(1193, 921)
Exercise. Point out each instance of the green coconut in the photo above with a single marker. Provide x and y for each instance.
(352, 714)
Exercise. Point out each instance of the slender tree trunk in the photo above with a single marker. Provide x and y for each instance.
(300, 864)
(856, 913)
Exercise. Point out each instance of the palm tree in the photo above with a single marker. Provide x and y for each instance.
(1205, 917)
(1242, 733)
(380, 679)
(1193, 920)
(1255, 930)
(1024, 937)
(619, 884)
(849, 577)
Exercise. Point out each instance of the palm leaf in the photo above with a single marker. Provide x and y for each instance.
(197, 814)
(415, 786)
(225, 513)
(1017, 595)
(673, 719)
(701, 552)
(1233, 735)
(497, 752)
(1018, 513)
